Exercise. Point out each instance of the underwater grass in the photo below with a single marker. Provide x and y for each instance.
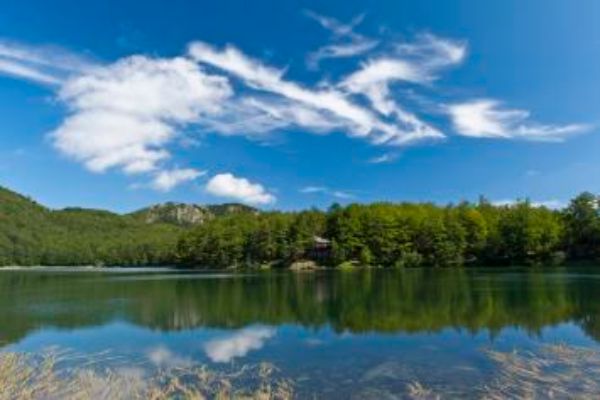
(31, 377)
(556, 371)
(552, 371)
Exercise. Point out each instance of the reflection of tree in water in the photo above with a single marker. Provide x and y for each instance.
(412, 300)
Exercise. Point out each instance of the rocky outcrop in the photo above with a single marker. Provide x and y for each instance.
(188, 214)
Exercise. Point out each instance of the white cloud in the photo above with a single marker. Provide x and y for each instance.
(128, 115)
(486, 118)
(124, 115)
(344, 50)
(240, 189)
(335, 26)
(260, 115)
(347, 43)
(238, 345)
(383, 159)
(162, 357)
(552, 204)
(383, 71)
(166, 180)
(313, 189)
(416, 63)
(336, 105)
(45, 65)
(340, 194)
(9, 67)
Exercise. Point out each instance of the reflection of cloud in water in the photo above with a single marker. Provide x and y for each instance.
(162, 357)
(313, 342)
(238, 344)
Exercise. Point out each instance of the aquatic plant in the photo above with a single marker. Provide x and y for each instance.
(44, 376)
(555, 371)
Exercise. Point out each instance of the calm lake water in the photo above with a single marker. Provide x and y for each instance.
(359, 334)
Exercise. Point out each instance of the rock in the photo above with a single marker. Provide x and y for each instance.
(304, 265)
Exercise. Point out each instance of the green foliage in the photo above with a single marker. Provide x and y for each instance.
(234, 236)
(382, 234)
(34, 235)
(582, 227)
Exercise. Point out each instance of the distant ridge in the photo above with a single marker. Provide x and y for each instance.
(183, 214)
(33, 234)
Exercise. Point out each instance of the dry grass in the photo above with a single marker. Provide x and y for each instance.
(32, 377)
(553, 372)
(556, 372)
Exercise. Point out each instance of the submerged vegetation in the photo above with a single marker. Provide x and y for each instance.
(551, 371)
(406, 300)
(233, 236)
(44, 376)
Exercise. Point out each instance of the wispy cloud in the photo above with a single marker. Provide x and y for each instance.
(239, 344)
(129, 114)
(42, 64)
(346, 42)
(313, 189)
(384, 158)
(486, 118)
(340, 194)
(240, 189)
(10, 67)
(328, 104)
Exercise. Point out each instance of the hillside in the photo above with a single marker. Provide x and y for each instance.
(31, 234)
(186, 215)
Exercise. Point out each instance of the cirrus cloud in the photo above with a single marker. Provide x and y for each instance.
(127, 115)
(486, 118)
(346, 42)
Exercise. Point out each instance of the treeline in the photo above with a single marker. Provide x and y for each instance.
(400, 235)
(379, 234)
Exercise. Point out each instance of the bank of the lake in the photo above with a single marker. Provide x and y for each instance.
(389, 235)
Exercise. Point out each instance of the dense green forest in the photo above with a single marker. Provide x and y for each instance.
(31, 234)
(401, 235)
(231, 235)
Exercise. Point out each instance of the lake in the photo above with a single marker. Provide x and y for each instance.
(354, 334)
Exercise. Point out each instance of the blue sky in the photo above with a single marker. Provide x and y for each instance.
(292, 104)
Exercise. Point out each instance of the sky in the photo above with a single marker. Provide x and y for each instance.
(294, 104)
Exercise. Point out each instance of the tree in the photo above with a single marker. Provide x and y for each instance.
(582, 226)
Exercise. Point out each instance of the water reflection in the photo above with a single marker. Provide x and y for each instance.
(419, 300)
(239, 344)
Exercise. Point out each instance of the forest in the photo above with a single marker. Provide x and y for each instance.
(401, 235)
(389, 235)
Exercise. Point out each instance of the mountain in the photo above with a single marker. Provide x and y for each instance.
(180, 214)
(32, 234)
(186, 215)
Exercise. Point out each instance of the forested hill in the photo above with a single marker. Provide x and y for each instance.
(232, 235)
(31, 234)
